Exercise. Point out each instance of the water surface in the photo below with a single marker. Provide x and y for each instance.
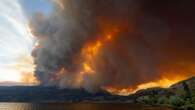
(74, 106)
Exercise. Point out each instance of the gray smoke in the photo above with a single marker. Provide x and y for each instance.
(151, 40)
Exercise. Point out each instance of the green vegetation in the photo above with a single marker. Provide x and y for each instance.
(163, 100)
(182, 97)
(173, 101)
(176, 101)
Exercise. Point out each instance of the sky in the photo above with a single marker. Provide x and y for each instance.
(32, 6)
(15, 39)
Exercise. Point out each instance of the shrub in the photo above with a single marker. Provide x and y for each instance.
(163, 100)
(180, 92)
(193, 100)
(144, 99)
(188, 107)
(176, 101)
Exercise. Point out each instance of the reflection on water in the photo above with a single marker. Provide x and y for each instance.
(79, 106)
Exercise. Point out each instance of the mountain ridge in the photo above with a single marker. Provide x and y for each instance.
(181, 94)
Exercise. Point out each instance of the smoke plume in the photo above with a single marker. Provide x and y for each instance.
(95, 44)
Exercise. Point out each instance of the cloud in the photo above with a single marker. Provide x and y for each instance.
(15, 39)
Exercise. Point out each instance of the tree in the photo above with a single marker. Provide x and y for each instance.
(163, 100)
(176, 101)
(187, 90)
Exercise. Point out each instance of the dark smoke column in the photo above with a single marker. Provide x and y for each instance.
(153, 38)
(60, 37)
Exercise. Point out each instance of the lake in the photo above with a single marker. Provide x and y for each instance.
(76, 106)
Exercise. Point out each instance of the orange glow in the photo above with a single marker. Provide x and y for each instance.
(90, 53)
(28, 78)
(163, 82)
(119, 91)
(26, 68)
(87, 68)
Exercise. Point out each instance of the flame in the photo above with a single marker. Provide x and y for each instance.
(163, 82)
(87, 68)
(119, 91)
(90, 52)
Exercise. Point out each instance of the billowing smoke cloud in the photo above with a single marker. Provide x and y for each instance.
(135, 42)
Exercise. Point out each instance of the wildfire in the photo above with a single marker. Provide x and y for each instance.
(90, 52)
(164, 82)
(115, 49)
(87, 68)
(119, 91)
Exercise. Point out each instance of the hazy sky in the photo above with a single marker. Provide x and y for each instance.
(31, 6)
(15, 39)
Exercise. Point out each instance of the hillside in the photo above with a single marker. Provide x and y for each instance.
(180, 95)
(53, 94)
